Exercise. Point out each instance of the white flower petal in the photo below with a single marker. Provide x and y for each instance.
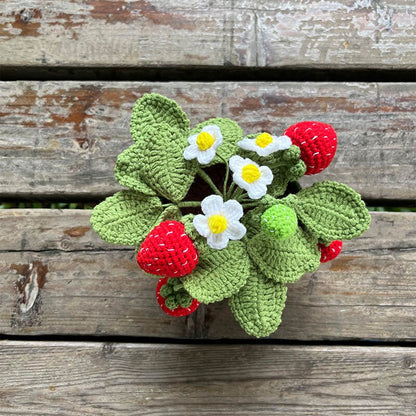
(212, 204)
(247, 144)
(265, 151)
(257, 190)
(206, 156)
(232, 210)
(240, 181)
(201, 225)
(235, 230)
(217, 241)
(266, 175)
(217, 142)
(213, 129)
(236, 163)
(192, 139)
(284, 142)
(191, 152)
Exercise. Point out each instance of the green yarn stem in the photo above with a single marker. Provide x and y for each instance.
(230, 191)
(189, 204)
(238, 192)
(177, 287)
(208, 180)
(250, 205)
(227, 173)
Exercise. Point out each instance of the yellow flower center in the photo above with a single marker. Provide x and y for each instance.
(204, 140)
(217, 224)
(250, 173)
(264, 139)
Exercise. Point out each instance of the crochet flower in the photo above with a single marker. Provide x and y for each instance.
(220, 222)
(265, 144)
(203, 146)
(250, 176)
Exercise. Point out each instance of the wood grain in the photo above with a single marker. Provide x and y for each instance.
(80, 285)
(150, 33)
(61, 139)
(49, 378)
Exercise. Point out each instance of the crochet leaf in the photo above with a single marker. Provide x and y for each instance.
(153, 109)
(126, 217)
(331, 211)
(258, 306)
(231, 134)
(285, 261)
(156, 164)
(130, 164)
(219, 273)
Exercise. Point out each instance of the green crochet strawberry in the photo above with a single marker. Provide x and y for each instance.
(173, 298)
(317, 142)
(168, 251)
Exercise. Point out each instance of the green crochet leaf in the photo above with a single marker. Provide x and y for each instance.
(130, 164)
(331, 211)
(156, 164)
(219, 273)
(153, 109)
(126, 217)
(285, 261)
(258, 306)
(231, 133)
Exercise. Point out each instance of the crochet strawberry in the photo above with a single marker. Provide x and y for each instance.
(317, 142)
(168, 251)
(173, 298)
(329, 253)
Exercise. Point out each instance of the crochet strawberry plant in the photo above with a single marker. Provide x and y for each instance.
(220, 215)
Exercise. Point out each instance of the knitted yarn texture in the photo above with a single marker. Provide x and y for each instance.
(220, 215)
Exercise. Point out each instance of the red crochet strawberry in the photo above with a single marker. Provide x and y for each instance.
(173, 298)
(168, 251)
(317, 142)
(328, 253)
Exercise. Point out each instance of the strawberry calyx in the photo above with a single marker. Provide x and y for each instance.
(173, 298)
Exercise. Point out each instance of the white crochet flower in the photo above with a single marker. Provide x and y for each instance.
(202, 146)
(265, 144)
(220, 222)
(250, 176)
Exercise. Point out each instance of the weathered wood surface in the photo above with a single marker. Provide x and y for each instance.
(81, 285)
(49, 378)
(61, 139)
(120, 33)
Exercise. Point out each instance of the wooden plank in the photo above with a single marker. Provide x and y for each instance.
(49, 378)
(150, 33)
(61, 139)
(79, 285)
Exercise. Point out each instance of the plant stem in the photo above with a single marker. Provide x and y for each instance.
(250, 205)
(177, 287)
(238, 192)
(189, 204)
(230, 191)
(227, 173)
(208, 180)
